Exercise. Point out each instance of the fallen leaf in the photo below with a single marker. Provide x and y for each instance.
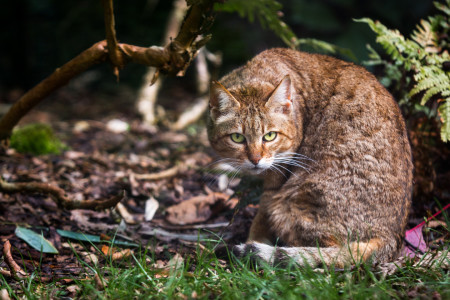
(4, 294)
(415, 242)
(37, 241)
(91, 238)
(121, 254)
(199, 209)
(176, 262)
(89, 258)
(151, 206)
(73, 289)
(100, 283)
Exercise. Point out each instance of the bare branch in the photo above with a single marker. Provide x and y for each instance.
(173, 59)
(114, 53)
(58, 195)
(60, 77)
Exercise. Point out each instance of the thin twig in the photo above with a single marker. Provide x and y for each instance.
(58, 195)
(115, 55)
(159, 175)
(16, 270)
(5, 273)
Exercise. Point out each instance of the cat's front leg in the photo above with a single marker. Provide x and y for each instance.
(260, 237)
(260, 230)
(260, 240)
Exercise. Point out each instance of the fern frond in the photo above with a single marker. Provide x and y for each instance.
(437, 80)
(435, 90)
(443, 7)
(424, 53)
(267, 14)
(444, 111)
(426, 37)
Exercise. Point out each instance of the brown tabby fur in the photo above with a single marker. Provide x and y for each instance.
(350, 200)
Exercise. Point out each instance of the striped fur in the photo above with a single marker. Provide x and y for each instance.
(338, 174)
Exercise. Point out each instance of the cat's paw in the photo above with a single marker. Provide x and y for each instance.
(255, 251)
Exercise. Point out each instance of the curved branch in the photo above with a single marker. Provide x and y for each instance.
(172, 59)
(58, 195)
(60, 77)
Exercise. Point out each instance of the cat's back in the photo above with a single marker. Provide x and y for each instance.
(313, 75)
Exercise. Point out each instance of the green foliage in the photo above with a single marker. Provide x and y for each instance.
(417, 65)
(268, 13)
(205, 276)
(36, 139)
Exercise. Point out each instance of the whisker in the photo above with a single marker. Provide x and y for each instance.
(217, 169)
(304, 166)
(296, 155)
(274, 167)
(233, 176)
(281, 166)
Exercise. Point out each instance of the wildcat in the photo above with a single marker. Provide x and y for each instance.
(330, 144)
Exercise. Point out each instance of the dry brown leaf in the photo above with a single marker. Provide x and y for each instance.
(106, 249)
(121, 254)
(199, 209)
(4, 295)
(73, 289)
(100, 283)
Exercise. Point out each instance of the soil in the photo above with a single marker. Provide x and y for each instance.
(100, 163)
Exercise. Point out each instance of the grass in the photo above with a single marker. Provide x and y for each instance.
(202, 275)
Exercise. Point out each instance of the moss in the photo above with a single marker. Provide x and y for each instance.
(36, 139)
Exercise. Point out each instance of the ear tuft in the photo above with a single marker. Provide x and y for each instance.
(281, 98)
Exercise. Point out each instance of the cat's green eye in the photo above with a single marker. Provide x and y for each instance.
(237, 138)
(268, 137)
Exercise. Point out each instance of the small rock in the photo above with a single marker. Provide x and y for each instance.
(117, 126)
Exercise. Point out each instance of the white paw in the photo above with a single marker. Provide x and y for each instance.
(255, 250)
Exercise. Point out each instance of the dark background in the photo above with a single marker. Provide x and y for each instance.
(37, 36)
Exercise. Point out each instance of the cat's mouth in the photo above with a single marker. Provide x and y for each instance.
(256, 169)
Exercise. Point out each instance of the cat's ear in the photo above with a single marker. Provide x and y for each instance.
(221, 102)
(281, 99)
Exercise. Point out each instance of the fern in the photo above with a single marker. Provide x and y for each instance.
(422, 55)
(268, 14)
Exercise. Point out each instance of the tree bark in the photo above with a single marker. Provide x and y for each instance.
(148, 93)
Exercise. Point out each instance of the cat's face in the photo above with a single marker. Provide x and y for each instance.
(253, 130)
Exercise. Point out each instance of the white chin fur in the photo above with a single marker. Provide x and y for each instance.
(263, 165)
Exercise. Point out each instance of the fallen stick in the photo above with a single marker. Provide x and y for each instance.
(58, 194)
(16, 270)
(5, 273)
(159, 175)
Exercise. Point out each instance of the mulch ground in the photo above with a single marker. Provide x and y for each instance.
(101, 164)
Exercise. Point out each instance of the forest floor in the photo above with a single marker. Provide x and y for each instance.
(162, 172)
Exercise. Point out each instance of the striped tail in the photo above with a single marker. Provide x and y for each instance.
(353, 253)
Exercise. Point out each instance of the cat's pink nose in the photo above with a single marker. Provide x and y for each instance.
(255, 159)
